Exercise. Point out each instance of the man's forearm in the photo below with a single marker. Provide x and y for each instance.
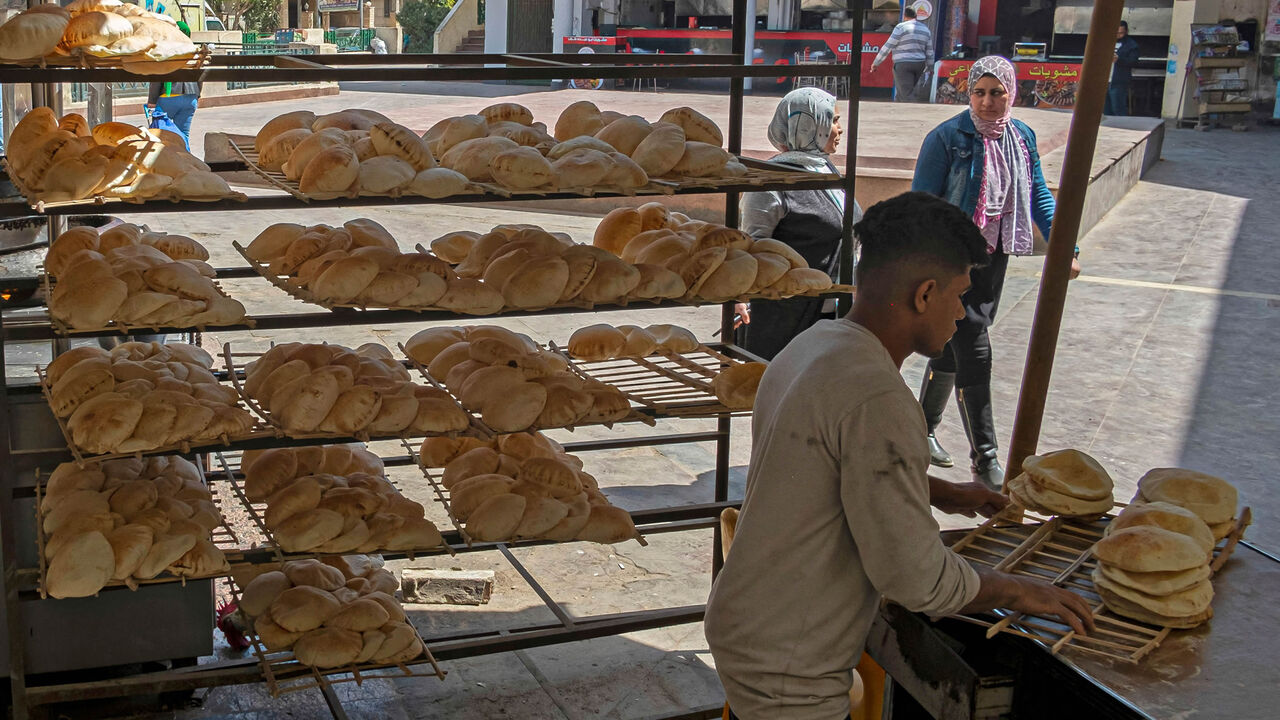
(997, 590)
(939, 491)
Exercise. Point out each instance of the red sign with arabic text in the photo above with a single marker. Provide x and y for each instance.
(1040, 84)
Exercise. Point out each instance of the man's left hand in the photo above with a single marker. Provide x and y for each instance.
(968, 499)
(1075, 268)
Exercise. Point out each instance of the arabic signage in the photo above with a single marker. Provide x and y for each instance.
(588, 45)
(1040, 84)
(772, 47)
(1272, 32)
(325, 6)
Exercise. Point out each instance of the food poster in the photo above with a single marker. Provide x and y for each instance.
(1041, 84)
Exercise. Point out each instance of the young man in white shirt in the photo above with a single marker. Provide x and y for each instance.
(837, 507)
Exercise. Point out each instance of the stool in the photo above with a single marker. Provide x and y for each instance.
(866, 697)
(644, 83)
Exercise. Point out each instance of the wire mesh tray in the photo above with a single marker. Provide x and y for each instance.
(61, 328)
(223, 537)
(442, 496)
(674, 385)
(283, 674)
(96, 200)
(631, 416)
(236, 369)
(262, 539)
(185, 447)
(1059, 550)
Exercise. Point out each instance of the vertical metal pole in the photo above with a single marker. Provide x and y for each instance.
(724, 425)
(851, 155)
(1074, 185)
(99, 109)
(14, 624)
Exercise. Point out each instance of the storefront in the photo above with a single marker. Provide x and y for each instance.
(802, 31)
(1040, 84)
(772, 47)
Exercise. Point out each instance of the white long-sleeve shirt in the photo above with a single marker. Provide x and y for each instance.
(910, 41)
(836, 515)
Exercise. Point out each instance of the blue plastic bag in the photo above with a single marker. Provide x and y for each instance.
(159, 120)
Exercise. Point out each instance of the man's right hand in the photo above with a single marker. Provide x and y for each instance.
(1040, 598)
(1030, 596)
(744, 315)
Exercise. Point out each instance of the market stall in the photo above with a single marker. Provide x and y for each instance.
(55, 446)
(40, 415)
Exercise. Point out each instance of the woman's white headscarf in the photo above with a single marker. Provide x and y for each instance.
(803, 120)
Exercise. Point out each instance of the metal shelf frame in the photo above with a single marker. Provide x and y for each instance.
(443, 67)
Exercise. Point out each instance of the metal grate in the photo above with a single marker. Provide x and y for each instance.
(1059, 550)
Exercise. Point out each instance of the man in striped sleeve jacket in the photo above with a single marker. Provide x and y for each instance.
(912, 46)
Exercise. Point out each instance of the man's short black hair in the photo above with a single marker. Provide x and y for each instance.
(917, 230)
(909, 13)
(1124, 24)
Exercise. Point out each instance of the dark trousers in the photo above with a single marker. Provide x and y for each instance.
(905, 77)
(1117, 101)
(774, 323)
(968, 354)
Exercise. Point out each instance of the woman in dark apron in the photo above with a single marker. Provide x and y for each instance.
(806, 130)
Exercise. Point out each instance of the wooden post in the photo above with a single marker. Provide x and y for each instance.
(1081, 141)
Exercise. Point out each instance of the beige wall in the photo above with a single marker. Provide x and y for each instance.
(453, 30)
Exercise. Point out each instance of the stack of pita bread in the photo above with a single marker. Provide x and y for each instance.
(596, 343)
(589, 150)
(1153, 565)
(735, 386)
(100, 29)
(331, 613)
(514, 384)
(125, 521)
(309, 388)
(527, 487)
(142, 396)
(64, 160)
(716, 263)
(135, 277)
(1064, 482)
(357, 264)
(1211, 498)
(353, 152)
(334, 499)
(1154, 560)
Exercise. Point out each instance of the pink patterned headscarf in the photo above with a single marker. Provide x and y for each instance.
(1002, 70)
(1003, 212)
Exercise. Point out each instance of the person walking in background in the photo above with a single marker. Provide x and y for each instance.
(984, 162)
(177, 100)
(1121, 72)
(806, 130)
(912, 46)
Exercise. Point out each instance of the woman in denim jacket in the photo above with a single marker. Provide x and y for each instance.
(986, 163)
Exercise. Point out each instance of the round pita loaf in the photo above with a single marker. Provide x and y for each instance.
(1212, 498)
(1167, 516)
(1146, 548)
(1070, 472)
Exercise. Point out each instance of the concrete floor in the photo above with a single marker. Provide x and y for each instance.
(1165, 359)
